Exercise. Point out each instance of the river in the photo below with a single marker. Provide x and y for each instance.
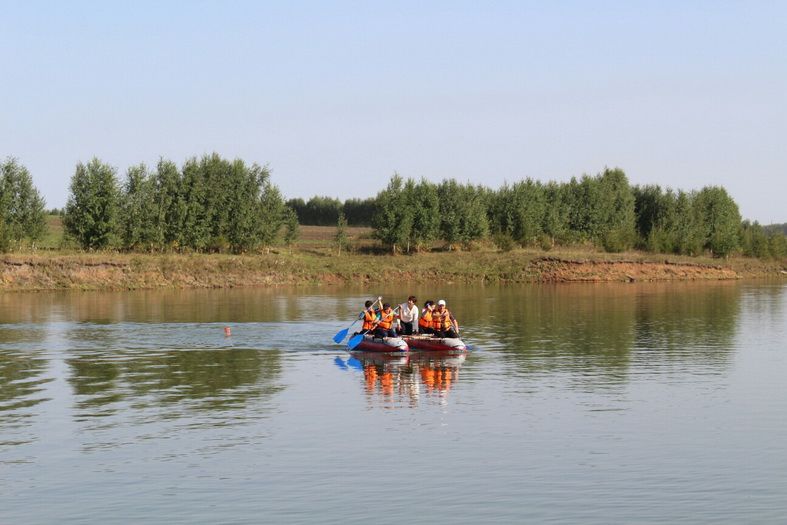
(609, 403)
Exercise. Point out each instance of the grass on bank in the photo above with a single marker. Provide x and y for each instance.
(313, 259)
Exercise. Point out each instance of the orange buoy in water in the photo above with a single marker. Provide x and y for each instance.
(227, 331)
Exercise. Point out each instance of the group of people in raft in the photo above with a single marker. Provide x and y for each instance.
(405, 319)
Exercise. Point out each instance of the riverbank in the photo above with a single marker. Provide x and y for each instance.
(117, 271)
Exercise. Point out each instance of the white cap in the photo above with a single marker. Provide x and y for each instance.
(441, 302)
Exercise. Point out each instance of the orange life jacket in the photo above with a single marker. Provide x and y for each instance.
(369, 317)
(426, 319)
(386, 320)
(441, 321)
(437, 320)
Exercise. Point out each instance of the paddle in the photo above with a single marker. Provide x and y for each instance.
(341, 334)
(355, 341)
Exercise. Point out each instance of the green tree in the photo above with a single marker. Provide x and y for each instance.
(318, 211)
(393, 220)
(500, 214)
(649, 209)
(777, 245)
(580, 196)
(614, 214)
(91, 215)
(170, 205)
(341, 238)
(271, 210)
(241, 227)
(291, 227)
(556, 214)
(22, 210)
(686, 230)
(529, 210)
(196, 223)
(256, 208)
(359, 212)
(719, 219)
(463, 213)
(518, 212)
(139, 211)
(754, 240)
(423, 206)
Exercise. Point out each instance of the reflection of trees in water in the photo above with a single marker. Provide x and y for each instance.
(695, 324)
(223, 378)
(198, 306)
(21, 383)
(766, 303)
(406, 379)
(192, 380)
(564, 328)
(94, 380)
(591, 330)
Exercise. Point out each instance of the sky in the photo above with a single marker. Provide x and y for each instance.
(335, 97)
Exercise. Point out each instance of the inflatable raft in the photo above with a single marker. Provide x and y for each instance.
(435, 344)
(386, 344)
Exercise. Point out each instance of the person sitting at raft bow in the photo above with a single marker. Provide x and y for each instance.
(385, 322)
(425, 322)
(443, 323)
(408, 315)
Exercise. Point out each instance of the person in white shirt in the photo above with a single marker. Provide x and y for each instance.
(408, 316)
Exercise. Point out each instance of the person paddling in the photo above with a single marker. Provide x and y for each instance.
(369, 317)
(443, 323)
(385, 322)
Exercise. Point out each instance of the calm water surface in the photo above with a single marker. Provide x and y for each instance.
(651, 403)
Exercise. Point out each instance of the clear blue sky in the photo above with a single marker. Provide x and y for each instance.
(336, 96)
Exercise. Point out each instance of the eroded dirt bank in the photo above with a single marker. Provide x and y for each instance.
(108, 271)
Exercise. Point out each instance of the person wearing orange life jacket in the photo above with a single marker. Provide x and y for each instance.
(443, 323)
(385, 322)
(425, 322)
(369, 317)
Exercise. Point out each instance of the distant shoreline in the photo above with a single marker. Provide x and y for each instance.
(118, 271)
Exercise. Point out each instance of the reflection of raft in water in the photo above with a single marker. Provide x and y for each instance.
(386, 360)
(392, 372)
(435, 344)
(386, 344)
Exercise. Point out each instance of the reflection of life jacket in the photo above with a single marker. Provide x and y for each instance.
(369, 317)
(426, 319)
(386, 320)
(387, 383)
(441, 321)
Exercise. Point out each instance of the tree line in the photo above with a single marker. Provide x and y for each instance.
(212, 204)
(209, 204)
(325, 211)
(602, 210)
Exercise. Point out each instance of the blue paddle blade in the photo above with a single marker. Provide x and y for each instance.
(339, 337)
(355, 341)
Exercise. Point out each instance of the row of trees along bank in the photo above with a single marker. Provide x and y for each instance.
(603, 210)
(210, 204)
(213, 204)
